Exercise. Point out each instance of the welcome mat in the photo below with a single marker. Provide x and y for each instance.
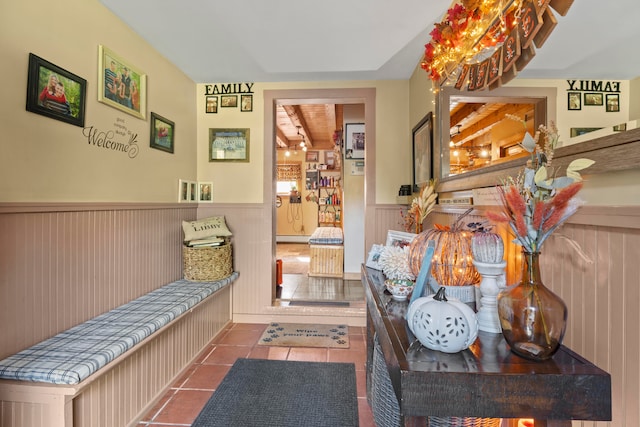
(304, 335)
(283, 393)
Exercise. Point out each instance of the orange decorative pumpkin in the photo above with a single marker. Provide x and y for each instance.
(452, 260)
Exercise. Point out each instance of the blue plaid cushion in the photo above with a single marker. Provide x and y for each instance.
(73, 355)
(326, 236)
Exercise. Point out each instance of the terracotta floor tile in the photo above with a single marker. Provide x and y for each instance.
(241, 337)
(158, 406)
(359, 358)
(206, 377)
(308, 354)
(365, 415)
(227, 354)
(183, 407)
(361, 383)
(249, 327)
(268, 352)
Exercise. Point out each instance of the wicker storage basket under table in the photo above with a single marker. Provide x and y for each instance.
(207, 264)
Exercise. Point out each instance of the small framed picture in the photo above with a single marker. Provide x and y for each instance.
(574, 101)
(55, 92)
(228, 101)
(593, 99)
(162, 133)
(211, 106)
(613, 103)
(246, 102)
(120, 84)
(193, 191)
(228, 145)
(354, 141)
(374, 256)
(399, 238)
(183, 191)
(204, 192)
(312, 156)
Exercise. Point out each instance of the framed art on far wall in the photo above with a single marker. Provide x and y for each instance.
(162, 133)
(229, 145)
(204, 192)
(121, 85)
(422, 149)
(354, 141)
(183, 191)
(54, 92)
(574, 101)
(211, 104)
(613, 103)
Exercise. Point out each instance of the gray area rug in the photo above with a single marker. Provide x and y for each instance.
(282, 393)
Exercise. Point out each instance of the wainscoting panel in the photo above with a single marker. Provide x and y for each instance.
(63, 264)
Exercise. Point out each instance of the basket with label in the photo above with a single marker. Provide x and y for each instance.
(207, 252)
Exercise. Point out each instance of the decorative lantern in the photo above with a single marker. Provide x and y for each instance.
(452, 263)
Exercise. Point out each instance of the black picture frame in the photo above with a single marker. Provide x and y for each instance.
(613, 103)
(574, 101)
(68, 106)
(354, 141)
(229, 101)
(246, 103)
(593, 98)
(422, 135)
(211, 104)
(162, 133)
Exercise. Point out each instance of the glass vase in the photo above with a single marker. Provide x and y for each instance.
(533, 319)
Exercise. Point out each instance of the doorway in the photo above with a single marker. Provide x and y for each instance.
(354, 252)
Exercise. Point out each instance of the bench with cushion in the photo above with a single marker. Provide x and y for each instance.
(83, 353)
(326, 252)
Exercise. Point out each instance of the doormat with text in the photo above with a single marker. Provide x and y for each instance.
(305, 335)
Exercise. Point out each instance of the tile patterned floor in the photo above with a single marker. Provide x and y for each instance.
(188, 395)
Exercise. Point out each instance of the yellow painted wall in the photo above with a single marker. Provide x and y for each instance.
(242, 182)
(43, 159)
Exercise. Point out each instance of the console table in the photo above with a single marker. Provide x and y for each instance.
(486, 380)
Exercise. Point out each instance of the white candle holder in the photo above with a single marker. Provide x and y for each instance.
(493, 281)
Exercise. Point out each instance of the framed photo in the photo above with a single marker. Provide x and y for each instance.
(399, 238)
(422, 149)
(211, 105)
(574, 101)
(581, 131)
(120, 84)
(229, 101)
(205, 192)
(162, 133)
(183, 191)
(229, 145)
(312, 156)
(374, 256)
(330, 159)
(354, 141)
(246, 102)
(593, 99)
(613, 103)
(193, 191)
(55, 92)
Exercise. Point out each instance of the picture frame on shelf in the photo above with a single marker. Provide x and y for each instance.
(229, 145)
(228, 101)
(374, 256)
(399, 238)
(354, 142)
(330, 159)
(211, 104)
(591, 98)
(312, 156)
(113, 73)
(422, 135)
(246, 103)
(205, 192)
(162, 133)
(55, 92)
(193, 191)
(183, 191)
(581, 131)
(613, 103)
(574, 101)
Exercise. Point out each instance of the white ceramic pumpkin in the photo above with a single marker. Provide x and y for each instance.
(443, 324)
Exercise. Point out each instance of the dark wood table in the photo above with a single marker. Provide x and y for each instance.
(486, 380)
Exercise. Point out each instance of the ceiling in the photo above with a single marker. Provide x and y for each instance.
(291, 40)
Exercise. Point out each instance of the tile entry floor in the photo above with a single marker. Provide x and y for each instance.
(187, 396)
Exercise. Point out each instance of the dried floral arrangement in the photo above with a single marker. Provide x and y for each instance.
(420, 207)
(537, 201)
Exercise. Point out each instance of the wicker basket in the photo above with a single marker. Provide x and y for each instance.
(463, 422)
(207, 264)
